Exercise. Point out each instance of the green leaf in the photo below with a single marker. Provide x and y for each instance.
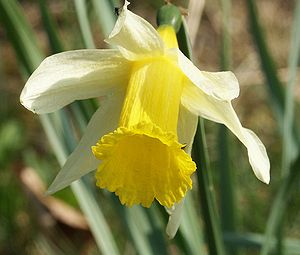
(267, 63)
(227, 187)
(288, 120)
(190, 229)
(20, 35)
(255, 242)
(82, 15)
(206, 190)
(106, 16)
(51, 29)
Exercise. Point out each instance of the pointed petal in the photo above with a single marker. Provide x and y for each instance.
(134, 36)
(222, 112)
(221, 85)
(187, 125)
(82, 160)
(174, 219)
(73, 75)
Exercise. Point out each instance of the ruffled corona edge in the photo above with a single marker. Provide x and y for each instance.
(141, 163)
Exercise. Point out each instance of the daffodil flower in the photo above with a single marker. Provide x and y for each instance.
(151, 96)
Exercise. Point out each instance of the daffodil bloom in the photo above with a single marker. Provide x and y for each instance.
(151, 97)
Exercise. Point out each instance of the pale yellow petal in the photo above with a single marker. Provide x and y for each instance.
(186, 129)
(74, 75)
(174, 219)
(221, 85)
(222, 112)
(82, 160)
(134, 36)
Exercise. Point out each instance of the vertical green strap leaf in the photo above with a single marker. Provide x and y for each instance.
(144, 226)
(288, 120)
(267, 64)
(254, 241)
(51, 29)
(226, 37)
(20, 35)
(138, 228)
(227, 194)
(81, 10)
(190, 228)
(106, 16)
(184, 41)
(207, 199)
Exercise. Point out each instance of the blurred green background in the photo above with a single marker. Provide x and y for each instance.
(257, 40)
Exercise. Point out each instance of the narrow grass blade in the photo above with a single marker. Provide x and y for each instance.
(141, 226)
(96, 219)
(53, 38)
(184, 41)
(255, 241)
(106, 16)
(190, 229)
(267, 64)
(227, 194)
(288, 120)
(20, 34)
(81, 11)
(207, 199)
(226, 48)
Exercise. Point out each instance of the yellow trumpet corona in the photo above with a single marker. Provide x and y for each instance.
(142, 159)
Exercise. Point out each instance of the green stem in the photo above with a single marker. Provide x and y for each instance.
(207, 199)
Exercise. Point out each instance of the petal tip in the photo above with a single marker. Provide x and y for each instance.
(26, 103)
(263, 173)
(119, 24)
(266, 179)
